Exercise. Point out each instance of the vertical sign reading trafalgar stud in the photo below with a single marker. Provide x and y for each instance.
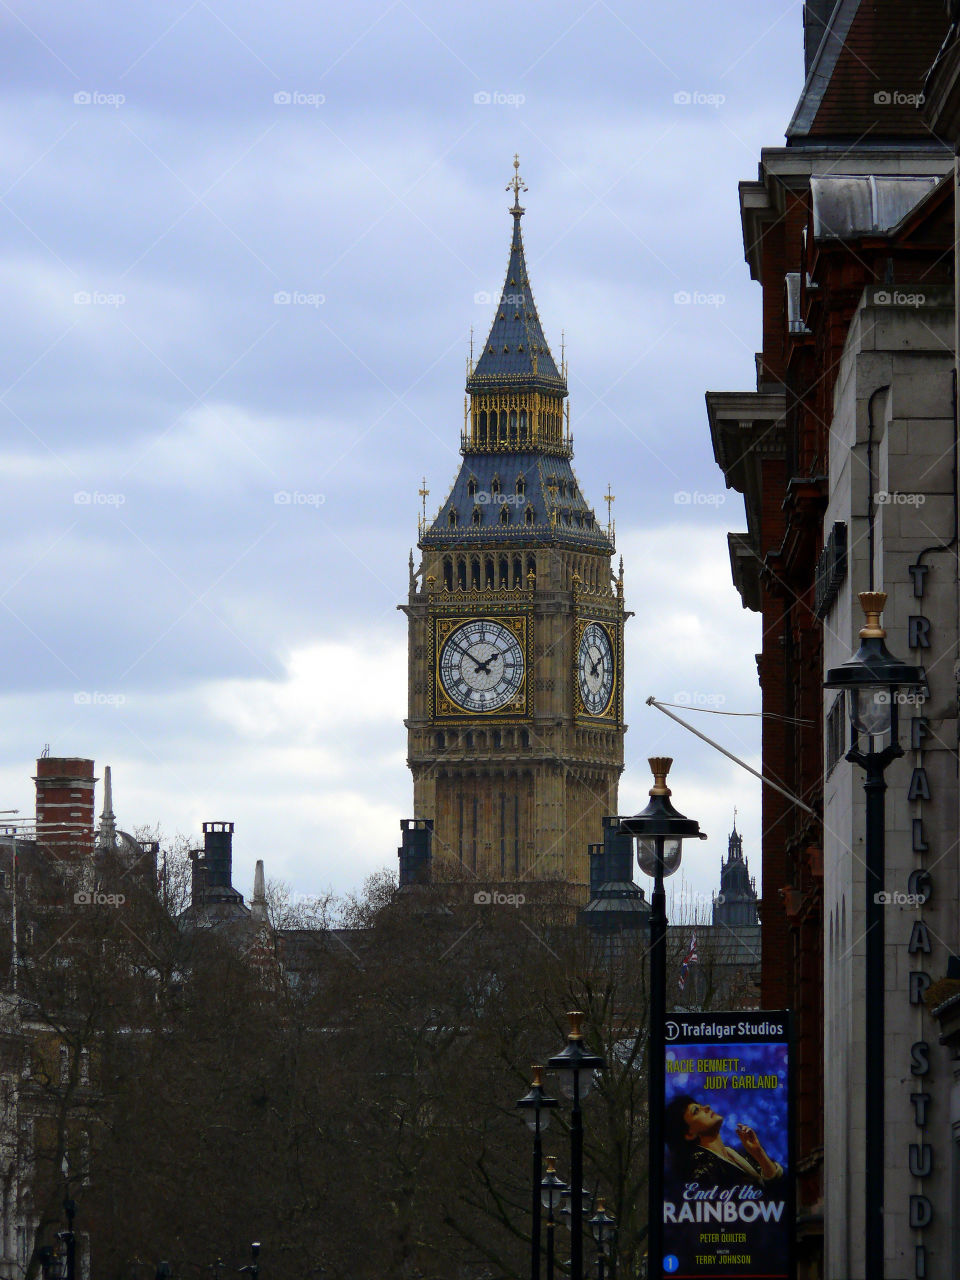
(728, 1204)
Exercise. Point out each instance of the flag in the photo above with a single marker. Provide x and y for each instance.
(689, 959)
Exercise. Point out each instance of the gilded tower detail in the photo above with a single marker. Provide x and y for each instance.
(515, 724)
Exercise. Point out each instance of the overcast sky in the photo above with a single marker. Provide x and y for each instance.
(168, 170)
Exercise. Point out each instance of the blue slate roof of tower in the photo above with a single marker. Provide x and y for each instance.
(516, 352)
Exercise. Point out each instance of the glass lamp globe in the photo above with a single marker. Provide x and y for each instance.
(871, 710)
(647, 856)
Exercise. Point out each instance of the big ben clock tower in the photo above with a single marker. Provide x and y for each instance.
(515, 725)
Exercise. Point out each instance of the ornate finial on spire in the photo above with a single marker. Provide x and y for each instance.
(516, 185)
(424, 493)
(610, 499)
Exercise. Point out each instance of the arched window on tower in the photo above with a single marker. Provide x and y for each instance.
(523, 426)
(488, 578)
(461, 573)
(503, 573)
(513, 426)
(447, 573)
(521, 485)
(504, 514)
(532, 564)
(475, 573)
(529, 515)
(495, 484)
(453, 518)
(493, 428)
(477, 516)
(517, 572)
(472, 486)
(482, 427)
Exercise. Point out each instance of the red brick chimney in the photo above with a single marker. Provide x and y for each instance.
(65, 805)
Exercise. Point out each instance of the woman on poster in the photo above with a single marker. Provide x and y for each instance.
(692, 1131)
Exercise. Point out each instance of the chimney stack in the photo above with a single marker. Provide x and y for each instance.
(65, 805)
(816, 17)
(218, 854)
(258, 904)
(416, 851)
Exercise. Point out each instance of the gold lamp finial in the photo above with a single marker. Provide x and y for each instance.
(551, 1164)
(660, 767)
(872, 602)
(516, 184)
(576, 1017)
(537, 1070)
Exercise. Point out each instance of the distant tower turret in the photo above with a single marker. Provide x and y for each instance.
(736, 903)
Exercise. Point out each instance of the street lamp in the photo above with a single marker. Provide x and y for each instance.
(874, 681)
(603, 1227)
(69, 1240)
(253, 1266)
(536, 1111)
(551, 1190)
(659, 831)
(576, 1067)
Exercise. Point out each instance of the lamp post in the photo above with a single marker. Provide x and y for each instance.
(536, 1111)
(253, 1266)
(874, 680)
(575, 1067)
(659, 831)
(603, 1227)
(551, 1189)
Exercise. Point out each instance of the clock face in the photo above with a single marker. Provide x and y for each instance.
(481, 665)
(595, 669)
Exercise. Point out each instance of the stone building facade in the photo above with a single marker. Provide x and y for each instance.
(848, 231)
